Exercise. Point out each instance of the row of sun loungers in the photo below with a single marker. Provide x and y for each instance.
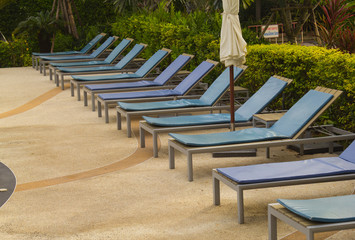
(136, 94)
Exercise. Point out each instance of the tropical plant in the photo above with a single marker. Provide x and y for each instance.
(3, 3)
(43, 26)
(184, 5)
(337, 25)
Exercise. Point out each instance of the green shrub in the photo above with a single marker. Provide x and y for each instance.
(15, 53)
(308, 67)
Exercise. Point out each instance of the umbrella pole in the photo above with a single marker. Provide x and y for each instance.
(231, 94)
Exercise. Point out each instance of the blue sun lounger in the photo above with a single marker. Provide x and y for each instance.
(84, 50)
(313, 215)
(243, 115)
(206, 102)
(158, 83)
(285, 131)
(43, 60)
(309, 171)
(117, 68)
(116, 52)
(142, 72)
(180, 90)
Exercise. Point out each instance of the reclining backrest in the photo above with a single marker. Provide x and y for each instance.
(256, 103)
(152, 62)
(173, 68)
(92, 43)
(219, 86)
(349, 153)
(195, 76)
(135, 51)
(103, 47)
(118, 50)
(301, 113)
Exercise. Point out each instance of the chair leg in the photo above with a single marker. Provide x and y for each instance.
(155, 144)
(190, 167)
(216, 192)
(141, 137)
(240, 199)
(62, 82)
(106, 113)
(171, 157)
(72, 88)
(99, 110)
(78, 91)
(85, 98)
(272, 222)
(128, 122)
(93, 102)
(119, 121)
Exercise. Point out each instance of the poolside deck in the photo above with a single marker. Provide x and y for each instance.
(79, 178)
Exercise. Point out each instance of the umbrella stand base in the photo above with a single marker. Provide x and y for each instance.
(240, 153)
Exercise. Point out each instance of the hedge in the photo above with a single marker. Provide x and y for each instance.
(308, 67)
(15, 53)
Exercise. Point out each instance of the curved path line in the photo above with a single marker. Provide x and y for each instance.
(31, 104)
(139, 156)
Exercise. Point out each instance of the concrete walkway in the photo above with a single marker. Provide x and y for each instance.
(79, 178)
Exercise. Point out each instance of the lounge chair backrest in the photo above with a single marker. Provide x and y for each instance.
(92, 43)
(135, 51)
(301, 113)
(103, 47)
(219, 86)
(195, 76)
(173, 68)
(152, 62)
(256, 103)
(118, 50)
(349, 153)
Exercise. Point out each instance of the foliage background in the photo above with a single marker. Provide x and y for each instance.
(198, 33)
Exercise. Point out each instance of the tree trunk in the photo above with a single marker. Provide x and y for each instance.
(44, 40)
(71, 20)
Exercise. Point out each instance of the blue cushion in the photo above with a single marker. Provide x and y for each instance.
(105, 77)
(151, 63)
(172, 69)
(64, 58)
(87, 69)
(329, 210)
(92, 43)
(135, 51)
(110, 86)
(181, 103)
(74, 64)
(145, 94)
(245, 113)
(219, 86)
(168, 73)
(189, 120)
(241, 136)
(82, 51)
(286, 127)
(301, 112)
(102, 48)
(77, 57)
(196, 75)
(256, 103)
(56, 53)
(349, 153)
(281, 171)
(117, 50)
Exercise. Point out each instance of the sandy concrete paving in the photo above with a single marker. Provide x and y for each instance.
(79, 178)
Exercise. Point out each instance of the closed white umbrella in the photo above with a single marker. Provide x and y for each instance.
(233, 46)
